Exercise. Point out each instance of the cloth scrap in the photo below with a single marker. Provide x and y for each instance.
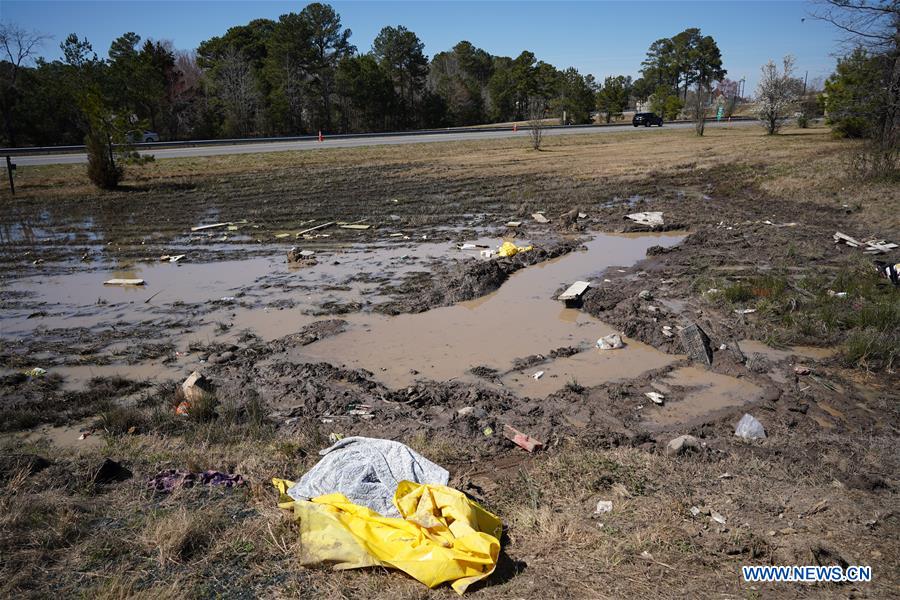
(171, 479)
(366, 471)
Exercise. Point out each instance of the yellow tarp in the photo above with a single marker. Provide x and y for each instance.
(510, 249)
(442, 535)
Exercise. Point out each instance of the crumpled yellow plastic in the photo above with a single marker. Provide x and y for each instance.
(510, 249)
(442, 537)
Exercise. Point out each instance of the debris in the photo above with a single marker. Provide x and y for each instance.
(667, 331)
(681, 444)
(717, 517)
(603, 506)
(335, 437)
(749, 428)
(802, 370)
(487, 254)
(170, 258)
(540, 218)
(574, 291)
(195, 387)
(473, 411)
(217, 225)
(355, 226)
(36, 372)
(696, 344)
(890, 272)
(467, 246)
(170, 480)
(538, 375)
(439, 534)
(124, 282)
(281, 236)
(651, 219)
(582, 215)
(645, 295)
(791, 224)
(514, 224)
(316, 228)
(367, 471)
(397, 234)
(611, 342)
(304, 257)
(745, 311)
(869, 247)
(520, 439)
(656, 397)
(508, 249)
(815, 508)
(488, 431)
(695, 512)
(111, 472)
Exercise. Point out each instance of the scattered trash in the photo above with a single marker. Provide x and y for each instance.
(582, 215)
(869, 247)
(538, 375)
(36, 372)
(124, 282)
(696, 344)
(695, 511)
(488, 431)
(514, 224)
(656, 397)
(192, 390)
(603, 506)
(520, 439)
(111, 472)
(749, 428)
(508, 249)
(467, 246)
(890, 272)
(227, 299)
(611, 342)
(397, 234)
(217, 225)
(791, 224)
(645, 295)
(651, 219)
(744, 311)
(171, 259)
(466, 411)
(667, 331)
(717, 517)
(802, 370)
(574, 291)
(835, 294)
(355, 226)
(281, 236)
(171, 479)
(305, 257)
(367, 471)
(335, 437)
(316, 228)
(487, 254)
(441, 536)
(681, 444)
(540, 218)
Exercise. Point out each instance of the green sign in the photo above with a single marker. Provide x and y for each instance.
(720, 113)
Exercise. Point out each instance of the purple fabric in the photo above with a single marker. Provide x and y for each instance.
(170, 479)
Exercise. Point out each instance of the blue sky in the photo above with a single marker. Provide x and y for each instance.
(603, 38)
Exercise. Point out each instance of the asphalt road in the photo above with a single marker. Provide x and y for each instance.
(413, 138)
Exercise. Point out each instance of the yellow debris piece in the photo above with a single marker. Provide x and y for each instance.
(443, 535)
(510, 249)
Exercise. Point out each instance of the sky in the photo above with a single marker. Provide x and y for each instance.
(601, 38)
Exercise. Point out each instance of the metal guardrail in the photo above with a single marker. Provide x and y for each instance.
(37, 150)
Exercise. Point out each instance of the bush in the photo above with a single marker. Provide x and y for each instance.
(102, 168)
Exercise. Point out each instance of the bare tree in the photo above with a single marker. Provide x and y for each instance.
(777, 95)
(17, 48)
(536, 109)
(236, 87)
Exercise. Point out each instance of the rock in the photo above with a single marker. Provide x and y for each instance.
(749, 428)
(195, 386)
(226, 356)
(682, 444)
(301, 257)
(472, 411)
(696, 344)
(603, 506)
(645, 295)
(611, 342)
(695, 511)
(110, 472)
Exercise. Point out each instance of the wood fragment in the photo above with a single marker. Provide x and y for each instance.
(322, 226)
(540, 218)
(574, 291)
(124, 282)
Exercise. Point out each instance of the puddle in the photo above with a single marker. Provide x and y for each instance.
(518, 320)
(810, 352)
(706, 393)
(64, 436)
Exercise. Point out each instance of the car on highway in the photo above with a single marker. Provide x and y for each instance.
(142, 136)
(646, 119)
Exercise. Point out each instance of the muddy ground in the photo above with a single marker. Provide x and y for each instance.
(391, 331)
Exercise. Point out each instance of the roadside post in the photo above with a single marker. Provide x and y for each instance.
(10, 171)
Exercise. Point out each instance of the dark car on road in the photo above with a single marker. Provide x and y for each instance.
(646, 119)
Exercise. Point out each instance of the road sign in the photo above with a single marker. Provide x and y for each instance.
(720, 113)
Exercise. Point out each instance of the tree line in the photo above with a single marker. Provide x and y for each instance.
(301, 74)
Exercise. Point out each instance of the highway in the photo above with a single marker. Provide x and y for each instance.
(187, 151)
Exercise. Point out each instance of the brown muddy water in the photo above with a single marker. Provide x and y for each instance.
(186, 303)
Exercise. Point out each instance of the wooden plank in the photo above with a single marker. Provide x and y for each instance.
(514, 224)
(217, 225)
(322, 226)
(355, 226)
(575, 291)
(124, 282)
